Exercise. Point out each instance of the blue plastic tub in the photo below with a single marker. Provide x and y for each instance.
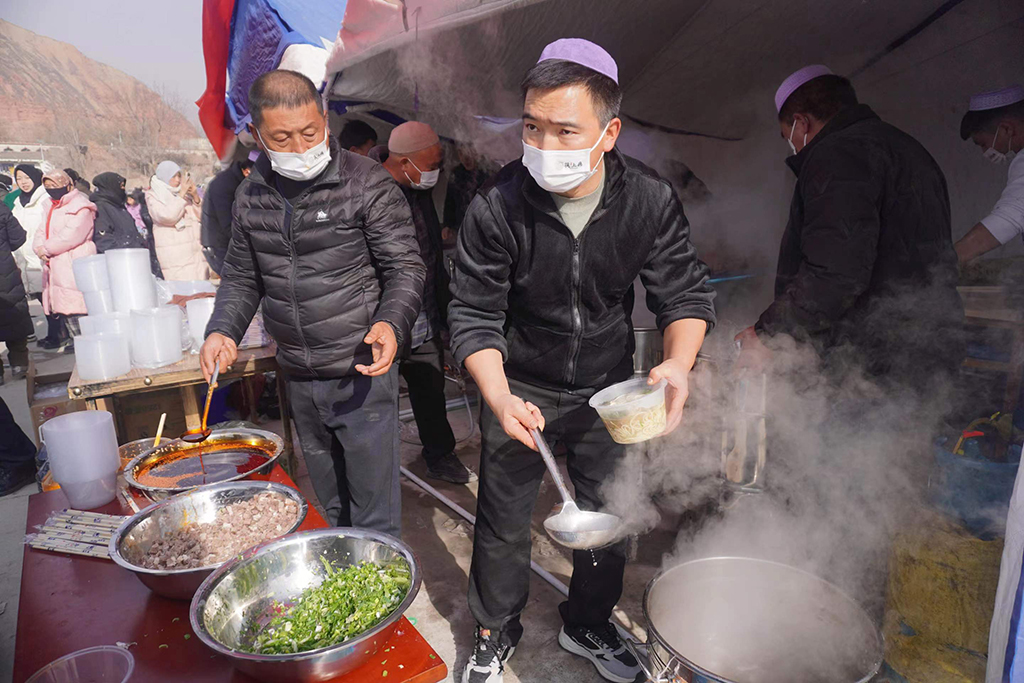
(976, 492)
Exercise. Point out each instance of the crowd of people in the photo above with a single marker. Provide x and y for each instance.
(338, 242)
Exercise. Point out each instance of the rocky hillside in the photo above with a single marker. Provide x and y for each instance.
(50, 91)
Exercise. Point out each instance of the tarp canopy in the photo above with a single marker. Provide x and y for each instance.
(698, 77)
(706, 70)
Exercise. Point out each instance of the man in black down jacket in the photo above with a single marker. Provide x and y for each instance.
(115, 228)
(217, 204)
(324, 239)
(15, 321)
(542, 297)
(866, 265)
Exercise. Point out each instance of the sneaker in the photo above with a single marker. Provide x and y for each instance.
(449, 468)
(604, 648)
(19, 371)
(48, 343)
(12, 479)
(487, 665)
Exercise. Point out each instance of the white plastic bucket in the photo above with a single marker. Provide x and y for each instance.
(91, 273)
(102, 356)
(98, 303)
(82, 451)
(131, 280)
(156, 336)
(114, 323)
(199, 312)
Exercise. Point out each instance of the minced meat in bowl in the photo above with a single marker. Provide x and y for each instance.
(197, 531)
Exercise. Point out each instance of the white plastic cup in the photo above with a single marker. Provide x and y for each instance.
(131, 280)
(98, 303)
(91, 273)
(107, 663)
(199, 312)
(156, 336)
(115, 323)
(82, 451)
(102, 356)
(632, 419)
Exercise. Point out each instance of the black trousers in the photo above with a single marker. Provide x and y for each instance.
(348, 430)
(510, 476)
(423, 370)
(15, 447)
(17, 353)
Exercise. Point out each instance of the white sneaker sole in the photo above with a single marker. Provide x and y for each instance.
(570, 645)
(508, 656)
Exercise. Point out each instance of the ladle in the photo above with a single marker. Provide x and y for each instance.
(201, 434)
(567, 524)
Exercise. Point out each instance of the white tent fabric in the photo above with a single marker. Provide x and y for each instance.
(706, 66)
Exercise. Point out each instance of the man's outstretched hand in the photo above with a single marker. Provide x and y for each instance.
(384, 346)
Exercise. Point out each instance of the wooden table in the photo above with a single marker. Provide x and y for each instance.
(70, 602)
(186, 375)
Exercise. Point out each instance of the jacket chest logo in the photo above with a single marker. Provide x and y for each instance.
(321, 216)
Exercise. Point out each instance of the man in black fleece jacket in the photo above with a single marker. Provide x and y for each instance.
(542, 297)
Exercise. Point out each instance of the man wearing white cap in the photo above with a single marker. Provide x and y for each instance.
(413, 157)
(542, 298)
(995, 123)
(866, 265)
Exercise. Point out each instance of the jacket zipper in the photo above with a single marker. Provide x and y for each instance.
(288, 210)
(576, 340)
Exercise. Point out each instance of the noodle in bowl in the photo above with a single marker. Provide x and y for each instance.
(632, 411)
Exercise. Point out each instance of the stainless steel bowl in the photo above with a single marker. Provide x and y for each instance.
(266, 443)
(134, 537)
(742, 620)
(245, 591)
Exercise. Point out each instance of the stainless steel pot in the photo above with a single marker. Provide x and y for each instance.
(649, 350)
(741, 620)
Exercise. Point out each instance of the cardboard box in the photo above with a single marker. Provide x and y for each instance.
(138, 415)
(48, 400)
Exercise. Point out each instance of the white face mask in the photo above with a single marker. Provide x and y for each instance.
(996, 157)
(792, 129)
(299, 166)
(427, 178)
(561, 170)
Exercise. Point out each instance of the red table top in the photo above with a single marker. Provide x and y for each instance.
(69, 602)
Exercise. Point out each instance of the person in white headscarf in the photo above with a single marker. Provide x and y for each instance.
(995, 123)
(175, 207)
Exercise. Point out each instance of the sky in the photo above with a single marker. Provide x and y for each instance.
(157, 41)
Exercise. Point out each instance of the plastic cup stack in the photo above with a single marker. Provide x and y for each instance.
(82, 450)
(199, 312)
(102, 356)
(131, 281)
(156, 336)
(92, 281)
(116, 323)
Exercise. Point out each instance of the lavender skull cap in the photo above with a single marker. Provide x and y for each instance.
(796, 79)
(583, 52)
(995, 99)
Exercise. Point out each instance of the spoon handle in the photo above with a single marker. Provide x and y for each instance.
(549, 460)
(209, 394)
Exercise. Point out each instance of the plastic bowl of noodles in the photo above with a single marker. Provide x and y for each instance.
(633, 411)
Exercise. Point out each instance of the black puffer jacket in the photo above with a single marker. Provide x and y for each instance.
(327, 266)
(15, 321)
(115, 228)
(867, 258)
(557, 307)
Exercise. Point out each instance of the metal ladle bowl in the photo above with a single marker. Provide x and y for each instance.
(567, 524)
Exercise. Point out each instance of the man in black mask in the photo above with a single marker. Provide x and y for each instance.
(115, 228)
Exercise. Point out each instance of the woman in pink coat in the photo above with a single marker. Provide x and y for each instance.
(174, 206)
(65, 236)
